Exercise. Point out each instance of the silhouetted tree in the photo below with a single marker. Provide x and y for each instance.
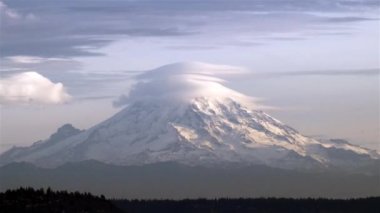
(49, 201)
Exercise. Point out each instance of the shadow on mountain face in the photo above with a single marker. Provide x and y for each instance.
(172, 180)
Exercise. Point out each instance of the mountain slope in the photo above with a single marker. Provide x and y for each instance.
(182, 113)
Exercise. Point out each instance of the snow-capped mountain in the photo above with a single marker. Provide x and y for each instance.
(182, 113)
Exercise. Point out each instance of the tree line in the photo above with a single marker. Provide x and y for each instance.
(254, 205)
(27, 199)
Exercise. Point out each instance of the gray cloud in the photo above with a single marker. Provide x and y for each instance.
(181, 6)
(104, 97)
(366, 72)
(58, 31)
(348, 19)
(61, 28)
(26, 63)
(67, 29)
(51, 47)
(93, 86)
(192, 47)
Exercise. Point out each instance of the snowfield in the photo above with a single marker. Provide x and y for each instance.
(183, 113)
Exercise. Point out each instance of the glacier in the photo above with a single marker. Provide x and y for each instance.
(183, 113)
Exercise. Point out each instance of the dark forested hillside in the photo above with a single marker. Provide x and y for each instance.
(258, 205)
(41, 201)
(176, 181)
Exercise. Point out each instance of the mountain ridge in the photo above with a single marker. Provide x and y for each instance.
(190, 117)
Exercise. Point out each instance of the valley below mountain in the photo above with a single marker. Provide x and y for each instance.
(178, 181)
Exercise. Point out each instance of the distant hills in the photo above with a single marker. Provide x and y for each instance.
(178, 181)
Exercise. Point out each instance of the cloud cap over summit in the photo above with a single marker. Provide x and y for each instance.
(183, 81)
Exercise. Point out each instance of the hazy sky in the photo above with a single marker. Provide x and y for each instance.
(316, 62)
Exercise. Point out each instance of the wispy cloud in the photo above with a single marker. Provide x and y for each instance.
(348, 19)
(8, 13)
(61, 28)
(365, 72)
(20, 63)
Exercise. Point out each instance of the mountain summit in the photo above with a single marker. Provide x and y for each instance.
(183, 113)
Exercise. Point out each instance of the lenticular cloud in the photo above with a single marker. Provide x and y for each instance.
(182, 82)
(31, 88)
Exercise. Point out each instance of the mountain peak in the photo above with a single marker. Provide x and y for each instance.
(65, 127)
(190, 117)
(63, 132)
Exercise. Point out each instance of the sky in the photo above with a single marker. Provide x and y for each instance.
(316, 63)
